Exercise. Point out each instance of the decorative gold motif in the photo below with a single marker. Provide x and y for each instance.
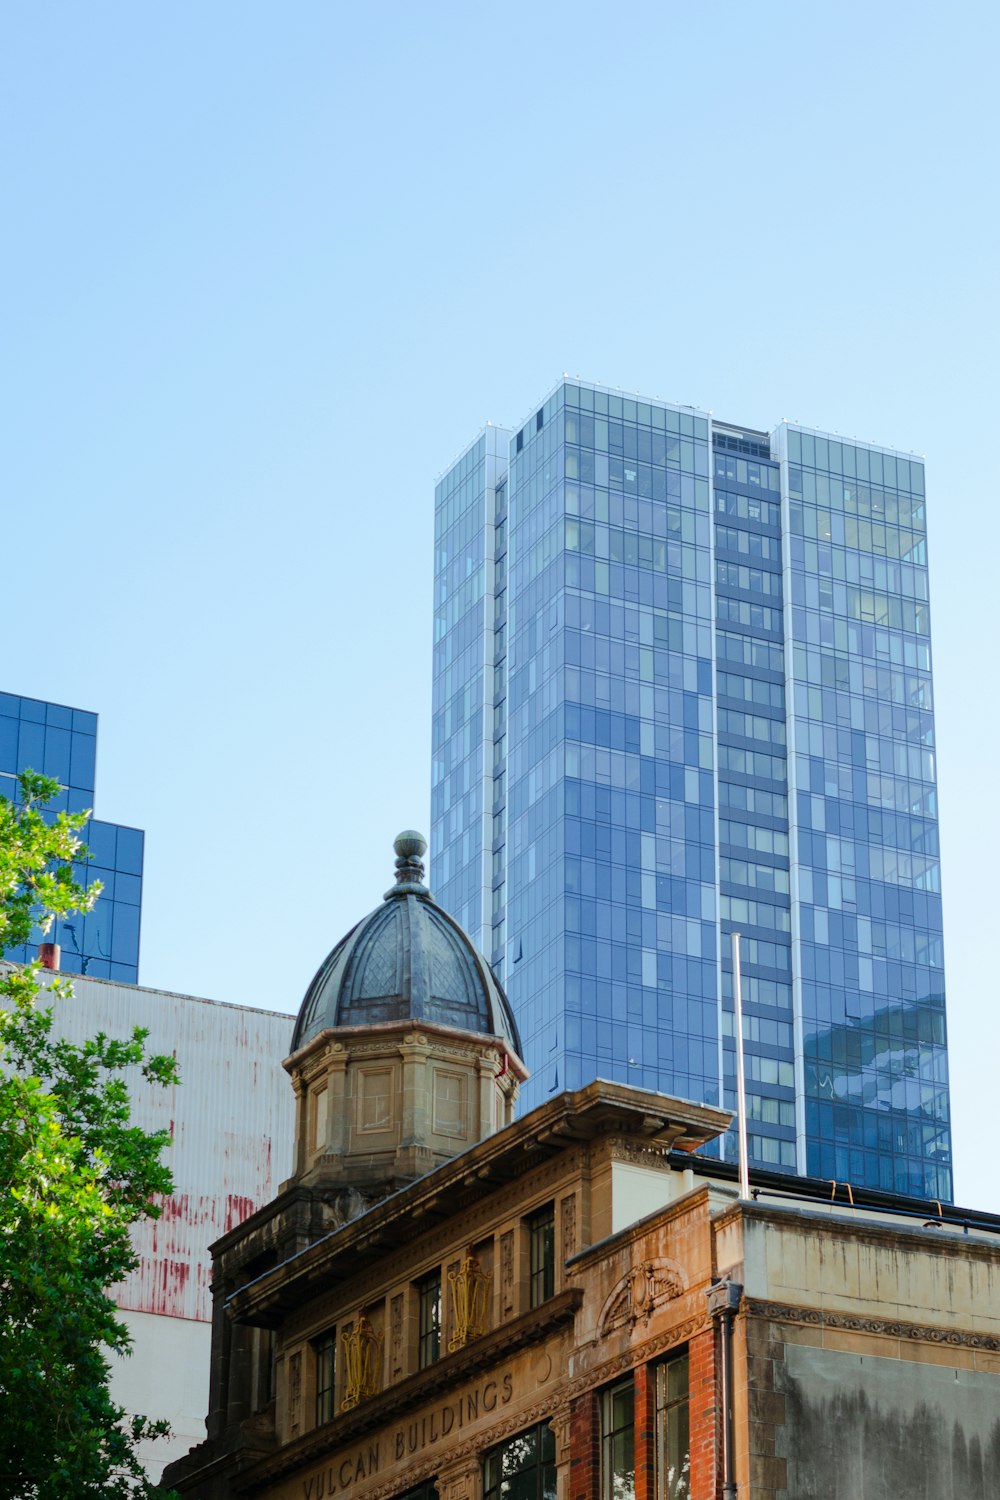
(363, 1360)
(470, 1288)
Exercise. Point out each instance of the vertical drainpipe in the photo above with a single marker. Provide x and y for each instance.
(723, 1305)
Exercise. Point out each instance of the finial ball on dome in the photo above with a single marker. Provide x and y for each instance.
(410, 843)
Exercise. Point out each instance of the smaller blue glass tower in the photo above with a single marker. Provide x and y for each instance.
(62, 742)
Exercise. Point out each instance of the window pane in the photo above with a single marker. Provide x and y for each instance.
(326, 1357)
(429, 1292)
(673, 1447)
(618, 1442)
(523, 1468)
(541, 1229)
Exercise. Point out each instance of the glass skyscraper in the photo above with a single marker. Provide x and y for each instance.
(682, 686)
(62, 742)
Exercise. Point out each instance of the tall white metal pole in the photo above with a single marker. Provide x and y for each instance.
(741, 1091)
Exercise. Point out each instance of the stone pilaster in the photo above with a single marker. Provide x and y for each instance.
(461, 1481)
(336, 1101)
(561, 1423)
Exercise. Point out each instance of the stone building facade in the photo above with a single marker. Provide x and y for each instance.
(568, 1306)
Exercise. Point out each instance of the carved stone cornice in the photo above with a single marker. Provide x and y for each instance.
(638, 1154)
(815, 1317)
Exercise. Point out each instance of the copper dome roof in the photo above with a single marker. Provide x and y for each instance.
(407, 960)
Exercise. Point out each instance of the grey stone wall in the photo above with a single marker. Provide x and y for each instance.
(859, 1427)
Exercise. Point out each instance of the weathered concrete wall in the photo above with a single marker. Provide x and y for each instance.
(231, 1123)
(857, 1427)
(856, 1266)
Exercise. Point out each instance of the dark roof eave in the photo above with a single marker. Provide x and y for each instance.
(572, 1118)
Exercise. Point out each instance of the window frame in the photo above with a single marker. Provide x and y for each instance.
(541, 1227)
(325, 1356)
(668, 1411)
(429, 1301)
(543, 1463)
(611, 1432)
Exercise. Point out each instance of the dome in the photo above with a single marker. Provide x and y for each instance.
(406, 961)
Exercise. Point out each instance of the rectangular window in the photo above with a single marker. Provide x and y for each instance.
(429, 1346)
(542, 1252)
(326, 1371)
(618, 1442)
(673, 1441)
(522, 1468)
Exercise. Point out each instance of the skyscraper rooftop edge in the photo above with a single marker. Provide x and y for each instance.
(612, 391)
(680, 406)
(853, 442)
(487, 427)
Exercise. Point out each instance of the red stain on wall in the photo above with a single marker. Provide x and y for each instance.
(237, 1209)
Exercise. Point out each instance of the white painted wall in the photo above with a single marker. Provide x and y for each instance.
(166, 1375)
(231, 1121)
(637, 1191)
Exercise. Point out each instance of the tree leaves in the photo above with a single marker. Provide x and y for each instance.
(75, 1175)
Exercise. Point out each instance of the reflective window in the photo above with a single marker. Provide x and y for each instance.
(542, 1255)
(618, 1442)
(523, 1468)
(61, 742)
(429, 1300)
(673, 1441)
(326, 1373)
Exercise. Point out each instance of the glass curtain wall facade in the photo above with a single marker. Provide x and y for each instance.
(469, 648)
(867, 934)
(62, 742)
(682, 687)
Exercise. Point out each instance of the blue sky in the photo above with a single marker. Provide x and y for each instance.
(267, 268)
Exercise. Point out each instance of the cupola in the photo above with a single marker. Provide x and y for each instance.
(405, 1051)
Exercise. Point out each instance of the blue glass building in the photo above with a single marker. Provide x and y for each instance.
(682, 686)
(62, 742)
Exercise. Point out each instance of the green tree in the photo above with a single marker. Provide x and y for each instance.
(75, 1175)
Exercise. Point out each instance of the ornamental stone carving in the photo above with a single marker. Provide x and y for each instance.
(640, 1292)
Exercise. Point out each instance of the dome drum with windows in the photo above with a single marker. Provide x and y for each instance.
(405, 1051)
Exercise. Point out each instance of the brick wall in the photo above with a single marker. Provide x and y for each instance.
(585, 1444)
(705, 1478)
(644, 1385)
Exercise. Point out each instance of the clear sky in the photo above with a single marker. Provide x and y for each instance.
(267, 268)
